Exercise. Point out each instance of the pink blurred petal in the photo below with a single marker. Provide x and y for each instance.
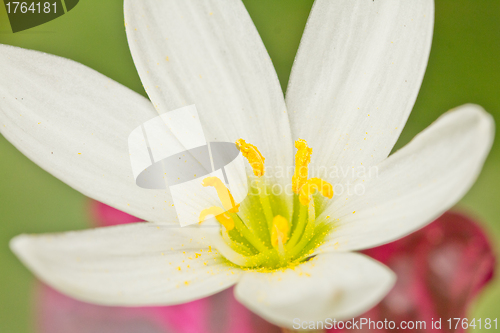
(221, 313)
(440, 270)
(102, 215)
(58, 313)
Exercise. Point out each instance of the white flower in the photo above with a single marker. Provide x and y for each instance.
(353, 84)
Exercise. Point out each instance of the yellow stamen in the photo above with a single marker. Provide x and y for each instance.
(313, 184)
(302, 159)
(279, 233)
(223, 192)
(253, 155)
(220, 215)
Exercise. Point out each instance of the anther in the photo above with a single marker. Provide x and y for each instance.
(223, 192)
(220, 215)
(253, 155)
(312, 185)
(302, 160)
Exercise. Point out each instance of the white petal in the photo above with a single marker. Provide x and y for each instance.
(339, 286)
(356, 77)
(135, 264)
(74, 123)
(208, 53)
(417, 184)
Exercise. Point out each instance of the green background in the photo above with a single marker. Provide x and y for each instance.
(464, 67)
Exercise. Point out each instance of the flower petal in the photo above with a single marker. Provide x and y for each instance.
(208, 53)
(416, 184)
(74, 123)
(134, 264)
(356, 77)
(332, 285)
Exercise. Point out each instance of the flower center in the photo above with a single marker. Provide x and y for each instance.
(261, 233)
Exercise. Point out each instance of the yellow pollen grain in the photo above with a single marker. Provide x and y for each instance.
(179, 268)
(253, 155)
(302, 160)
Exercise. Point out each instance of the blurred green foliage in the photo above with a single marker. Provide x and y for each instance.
(463, 67)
